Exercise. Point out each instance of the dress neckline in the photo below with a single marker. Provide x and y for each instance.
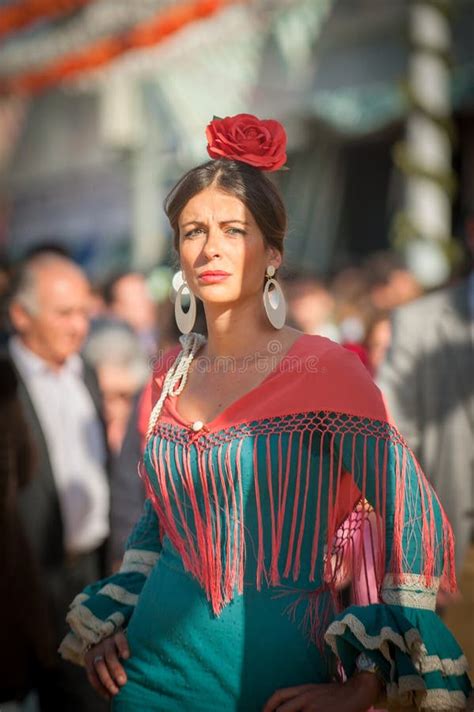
(171, 401)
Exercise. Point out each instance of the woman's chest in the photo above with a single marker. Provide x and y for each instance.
(208, 395)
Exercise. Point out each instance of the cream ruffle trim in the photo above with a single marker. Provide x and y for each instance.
(119, 594)
(72, 649)
(410, 692)
(87, 630)
(138, 561)
(412, 593)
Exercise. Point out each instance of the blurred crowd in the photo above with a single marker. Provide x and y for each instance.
(127, 326)
(76, 358)
(353, 307)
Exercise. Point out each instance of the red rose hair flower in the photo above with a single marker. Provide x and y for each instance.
(258, 142)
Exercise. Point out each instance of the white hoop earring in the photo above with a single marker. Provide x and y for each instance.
(185, 320)
(274, 300)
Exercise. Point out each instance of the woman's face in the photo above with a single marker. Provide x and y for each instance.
(222, 250)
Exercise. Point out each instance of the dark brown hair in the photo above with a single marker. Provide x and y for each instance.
(249, 184)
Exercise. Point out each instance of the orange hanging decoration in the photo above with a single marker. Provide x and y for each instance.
(17, 16)
(163, 24)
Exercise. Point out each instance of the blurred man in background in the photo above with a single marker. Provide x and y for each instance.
(390, 283)
(26, 647)
(128, 299)
(65, 507)
(428, 381)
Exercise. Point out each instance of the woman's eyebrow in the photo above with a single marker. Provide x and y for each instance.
(192, 222)
(222, 222)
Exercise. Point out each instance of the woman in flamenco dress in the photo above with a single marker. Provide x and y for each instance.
(291, 549)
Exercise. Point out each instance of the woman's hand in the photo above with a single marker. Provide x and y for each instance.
(104, 670)
(356, 695)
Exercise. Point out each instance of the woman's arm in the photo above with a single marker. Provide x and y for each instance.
(106, 606)
(359, 693)
(407, 540)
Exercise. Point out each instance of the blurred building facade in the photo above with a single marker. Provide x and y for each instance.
(94, 151)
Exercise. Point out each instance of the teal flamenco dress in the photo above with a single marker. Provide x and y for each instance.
(279, 541)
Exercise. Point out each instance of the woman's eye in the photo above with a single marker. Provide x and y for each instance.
(194, 232)
(235, 231)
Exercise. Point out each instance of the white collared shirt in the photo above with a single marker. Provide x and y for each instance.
(75, 440)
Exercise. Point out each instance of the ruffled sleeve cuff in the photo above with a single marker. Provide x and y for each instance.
(421, 662)
(106, 606)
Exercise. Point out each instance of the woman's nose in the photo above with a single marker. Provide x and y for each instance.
(213, 244)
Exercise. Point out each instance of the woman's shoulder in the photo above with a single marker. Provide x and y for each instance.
(315, 344)
(323, 346)
(336, 379)
(150, 393)
(312, 348)
(164, 360)
(333, 357)
(161, 364)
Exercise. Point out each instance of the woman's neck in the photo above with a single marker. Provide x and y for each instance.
(234, 332)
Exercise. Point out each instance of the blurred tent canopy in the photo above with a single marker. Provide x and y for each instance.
(104, 103)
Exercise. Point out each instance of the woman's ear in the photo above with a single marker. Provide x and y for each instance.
(275, 257)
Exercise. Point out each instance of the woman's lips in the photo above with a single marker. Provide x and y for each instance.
(209, 277)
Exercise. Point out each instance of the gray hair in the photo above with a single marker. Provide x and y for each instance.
(115, 344)
(24, 284)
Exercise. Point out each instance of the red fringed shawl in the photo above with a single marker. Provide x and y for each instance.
(302, 483)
